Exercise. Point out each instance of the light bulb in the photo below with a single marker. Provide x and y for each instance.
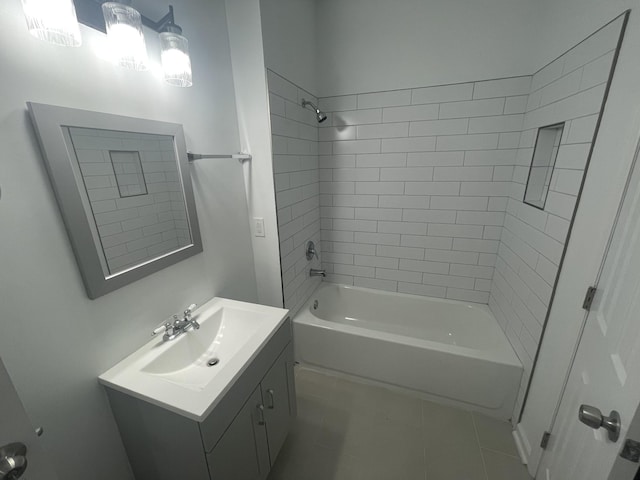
(124, 35)
(54, 21)
(176, 62)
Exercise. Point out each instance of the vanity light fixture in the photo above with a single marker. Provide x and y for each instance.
(176, 62)
(56, 21)
(124, 35)
(53, 21)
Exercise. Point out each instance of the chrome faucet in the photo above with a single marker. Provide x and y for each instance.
(176, 326)
(317, 273)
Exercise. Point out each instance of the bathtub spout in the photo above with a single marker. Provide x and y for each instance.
(317, 273)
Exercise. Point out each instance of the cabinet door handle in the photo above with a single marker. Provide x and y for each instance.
(272, 397)
(260, 409)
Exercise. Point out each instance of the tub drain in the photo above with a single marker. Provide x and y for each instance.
(213, 362)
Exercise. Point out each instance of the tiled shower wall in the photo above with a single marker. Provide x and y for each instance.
(571, 89)
(295, 162)
(414, 185)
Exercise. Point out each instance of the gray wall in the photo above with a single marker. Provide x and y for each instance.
(55, 341)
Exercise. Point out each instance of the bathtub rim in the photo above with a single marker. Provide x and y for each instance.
(505, 355)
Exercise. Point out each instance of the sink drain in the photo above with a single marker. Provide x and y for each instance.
(213, 362)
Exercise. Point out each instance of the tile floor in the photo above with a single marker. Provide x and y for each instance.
(347, 430)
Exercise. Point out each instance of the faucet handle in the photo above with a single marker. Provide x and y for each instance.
(165, 326)
(189, 311)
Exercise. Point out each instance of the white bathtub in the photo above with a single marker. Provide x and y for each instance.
(445, 349)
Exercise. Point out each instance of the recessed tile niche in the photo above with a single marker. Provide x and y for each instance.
(544, 159)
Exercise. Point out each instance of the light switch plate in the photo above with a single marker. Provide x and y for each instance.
(258, 226)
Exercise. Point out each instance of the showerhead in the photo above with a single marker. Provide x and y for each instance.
(320, 116)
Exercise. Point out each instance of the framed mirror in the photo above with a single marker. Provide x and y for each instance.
(124, 190)
(542, 164)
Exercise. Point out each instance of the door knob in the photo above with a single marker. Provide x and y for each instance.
(13, 461)
(592, 417)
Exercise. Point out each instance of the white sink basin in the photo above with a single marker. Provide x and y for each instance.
(191, 373)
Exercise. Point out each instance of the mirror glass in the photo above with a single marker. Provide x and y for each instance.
(133, 186)
(544, 159)
(124, 191)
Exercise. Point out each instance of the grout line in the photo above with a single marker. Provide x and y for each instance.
(475, 428)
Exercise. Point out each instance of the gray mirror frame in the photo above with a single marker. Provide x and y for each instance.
(49, 122)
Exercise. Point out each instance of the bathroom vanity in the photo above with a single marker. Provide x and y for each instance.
(215, 403)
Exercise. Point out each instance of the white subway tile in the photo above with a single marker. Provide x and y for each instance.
(448, 281)
(496, 204)
(509, 140)
(492, 232)
(451, 256)
(407, 174)
(382, 160)
(425, 267)
(548, 74)
(439, 127)
(487, 259)
(473, 245)
(472, 108)
(400, 252)
(399, 275)
(354, 225)
(497, 124)
(435, 159)
(376, 284)
(356, 174)
(480, 189)
(459, 203)
(557, 228)
(334, 187)
(383, 130)
(354, 270)
(503, 173)
(403, 228)
(468, 142)
(424, 290)
(355, 200)
(516, 104)
(384, 99)
(376, 261)
(455, 231)
(480, 218)
(335, 104)
(336, 236)
(566, 181)
(339, 279)
(337, 212)
(582, 129)
(468, 295)
(443, 93)
(391, 214)
(504, 87)
(415, 144)
(471, 271)
(381, 188)
(573, 156)
(463, 173)
(561, 88)
(377, 238)
(410, 113)
(357, 117)
(401, 201)
(328, 134)
(422, 241)
(355, 248)
(343, 258)
(429, 216)
(560, 204)
(356, 146)
(432, 188)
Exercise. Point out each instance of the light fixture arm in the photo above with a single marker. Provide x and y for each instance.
(89, 12)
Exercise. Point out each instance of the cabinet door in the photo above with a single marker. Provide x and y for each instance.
(279, 402)
(242, 452)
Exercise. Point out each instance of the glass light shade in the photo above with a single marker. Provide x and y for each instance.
(54, 21)
(176, 62)
(124, 35)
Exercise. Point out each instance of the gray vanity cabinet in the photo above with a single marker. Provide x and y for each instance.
(250, 445)
(242, 452)
(239, 440)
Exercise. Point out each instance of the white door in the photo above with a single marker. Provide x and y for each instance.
(15, 428)
(605, 373)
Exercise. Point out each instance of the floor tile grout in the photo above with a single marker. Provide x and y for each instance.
(475, 428)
